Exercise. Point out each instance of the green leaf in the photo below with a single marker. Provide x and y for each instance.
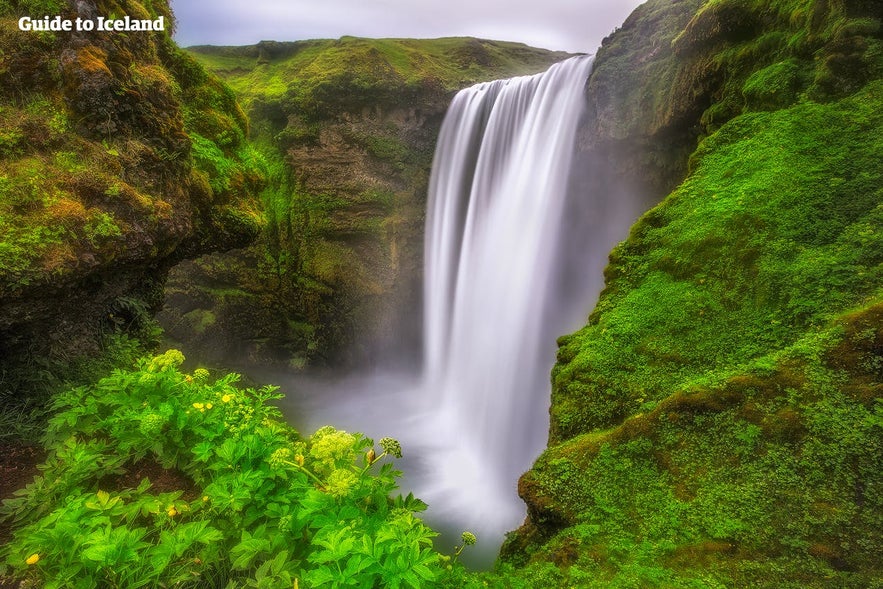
(248, 549)
(202, 452)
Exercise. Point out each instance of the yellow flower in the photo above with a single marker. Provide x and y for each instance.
(198, 405)
(340, 482)
(227, 398)
(208, 405)
(205, 498)
(279, 457)
(32, 559)
(172, 511)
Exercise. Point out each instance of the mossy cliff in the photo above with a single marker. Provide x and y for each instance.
(349, 127)
(719, 421)
(119, 156)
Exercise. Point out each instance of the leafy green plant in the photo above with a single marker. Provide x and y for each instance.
(253, 503)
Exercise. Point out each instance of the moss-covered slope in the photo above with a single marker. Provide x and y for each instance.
(350, 127)
(719, 421)
(119, 155)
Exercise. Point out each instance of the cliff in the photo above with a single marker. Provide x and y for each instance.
(350, 128)
(718, 422)
(119, 156)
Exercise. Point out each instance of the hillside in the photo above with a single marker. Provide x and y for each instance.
(718, 421)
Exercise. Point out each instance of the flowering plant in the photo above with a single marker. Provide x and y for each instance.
(258, 505)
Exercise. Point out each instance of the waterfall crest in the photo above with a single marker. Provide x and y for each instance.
(494, 228)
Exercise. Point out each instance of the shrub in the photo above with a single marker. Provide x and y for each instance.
(252, 503)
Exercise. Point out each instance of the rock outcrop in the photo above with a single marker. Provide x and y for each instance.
(119, 156)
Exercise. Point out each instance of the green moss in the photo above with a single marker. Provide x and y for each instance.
(201, 319)
(100, 187)
(715, 423)
(773, 87)
(777, 228)
(759, 493)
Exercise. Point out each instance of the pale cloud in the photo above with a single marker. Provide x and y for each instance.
(569, 25)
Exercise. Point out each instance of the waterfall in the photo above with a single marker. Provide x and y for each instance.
(517, 234)
(494, 231)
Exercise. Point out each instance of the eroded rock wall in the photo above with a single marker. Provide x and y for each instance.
(108, 146)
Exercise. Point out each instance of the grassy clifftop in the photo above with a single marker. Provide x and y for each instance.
(717, 422)
(365, 64)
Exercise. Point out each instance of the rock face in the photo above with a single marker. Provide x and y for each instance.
(719, 421)
(119, 156)
(349, 127)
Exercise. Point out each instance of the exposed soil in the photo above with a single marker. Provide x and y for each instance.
(162, 480)
(18, 466)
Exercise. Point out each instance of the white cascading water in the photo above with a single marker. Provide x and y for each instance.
(497, 201)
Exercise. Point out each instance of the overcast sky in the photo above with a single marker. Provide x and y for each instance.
(570, 25)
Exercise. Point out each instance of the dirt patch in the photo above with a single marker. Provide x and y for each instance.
(18, 466)
(162, 480)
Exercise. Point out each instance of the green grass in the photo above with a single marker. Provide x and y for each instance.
(396, 63)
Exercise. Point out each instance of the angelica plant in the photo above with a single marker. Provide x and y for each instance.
(261, 506)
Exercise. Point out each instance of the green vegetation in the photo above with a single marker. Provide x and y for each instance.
(238, 500)
(717, 421)
(793, 198)
(750, 483)
(60, 151)
(324, 76)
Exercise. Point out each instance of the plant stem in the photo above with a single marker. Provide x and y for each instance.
(304, 469)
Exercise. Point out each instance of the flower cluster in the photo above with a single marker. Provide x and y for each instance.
(391, 446)
(170, 359)
(151, 424)
(202, 406)
(279, 457)
(238, 415)
(340, 482)
(331, 447)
